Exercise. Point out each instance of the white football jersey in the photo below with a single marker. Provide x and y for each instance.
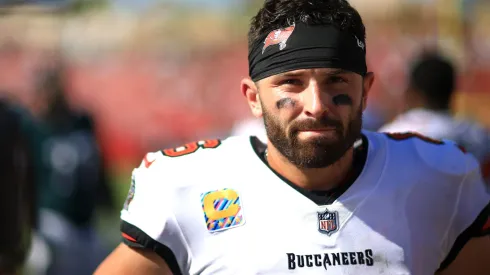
(440, 125)
(216, 207)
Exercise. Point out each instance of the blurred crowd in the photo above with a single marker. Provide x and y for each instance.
(60, 161)
(84, 95)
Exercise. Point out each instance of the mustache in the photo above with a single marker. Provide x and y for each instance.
(312, 124)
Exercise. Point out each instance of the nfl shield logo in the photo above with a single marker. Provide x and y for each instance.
(328, 222)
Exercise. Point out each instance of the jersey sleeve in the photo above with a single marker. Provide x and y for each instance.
(147, 218)
(471, 217)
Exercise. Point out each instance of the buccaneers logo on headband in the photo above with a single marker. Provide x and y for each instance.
(280, 37)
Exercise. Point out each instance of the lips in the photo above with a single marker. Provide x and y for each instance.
(316, 126)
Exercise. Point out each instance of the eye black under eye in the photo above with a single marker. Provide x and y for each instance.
(342, 99)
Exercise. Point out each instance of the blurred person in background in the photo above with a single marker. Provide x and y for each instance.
(321, 196)
(431, 87)
(74, 182)
(17, 195)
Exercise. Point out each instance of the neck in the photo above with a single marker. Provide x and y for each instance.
(413, 100)
(320, 179)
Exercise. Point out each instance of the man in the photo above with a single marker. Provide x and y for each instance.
(17, 185)
(320, 196)
(428, 98)
(74, 179)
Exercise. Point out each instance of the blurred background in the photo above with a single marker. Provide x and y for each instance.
(105, 81)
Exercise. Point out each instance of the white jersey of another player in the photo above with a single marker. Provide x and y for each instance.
(216, 207)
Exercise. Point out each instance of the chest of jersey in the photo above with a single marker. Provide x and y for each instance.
(276, 230)
(390, 221)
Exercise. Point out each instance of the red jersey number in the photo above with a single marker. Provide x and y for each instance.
(192, 147)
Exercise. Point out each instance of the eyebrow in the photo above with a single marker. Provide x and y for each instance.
(337, 72)
(290, 74)
(331, 73)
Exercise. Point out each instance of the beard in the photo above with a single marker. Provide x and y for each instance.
(317, 152)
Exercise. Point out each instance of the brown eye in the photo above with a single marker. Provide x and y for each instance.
(336, 79)
(290, 81)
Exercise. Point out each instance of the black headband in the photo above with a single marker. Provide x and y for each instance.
(305, 47)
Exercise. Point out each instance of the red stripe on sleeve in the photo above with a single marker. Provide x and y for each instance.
(129, 238)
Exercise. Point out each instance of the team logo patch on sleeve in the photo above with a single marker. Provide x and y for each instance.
(222, 209)
(328, 222)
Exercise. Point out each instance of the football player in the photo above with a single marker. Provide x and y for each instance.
(322, 196)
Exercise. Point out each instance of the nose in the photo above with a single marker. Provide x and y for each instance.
(315, 102)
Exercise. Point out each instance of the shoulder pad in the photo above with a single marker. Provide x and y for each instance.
(191, 160)
(191, 148)
(186, 151)
(175, 156)
(441, 155)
